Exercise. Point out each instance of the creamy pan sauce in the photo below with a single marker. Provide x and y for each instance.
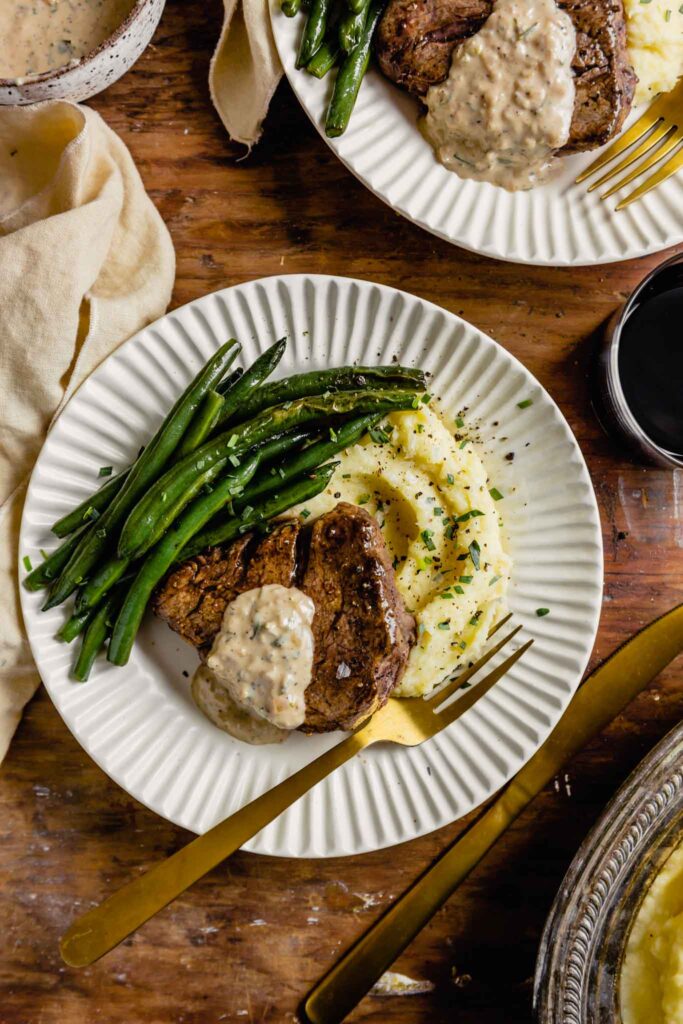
(263, 654)
(507, 104)
(41, 35)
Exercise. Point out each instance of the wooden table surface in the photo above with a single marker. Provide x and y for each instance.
(246, 943)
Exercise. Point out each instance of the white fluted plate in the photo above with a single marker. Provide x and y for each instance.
(556, 224)
(139, 723)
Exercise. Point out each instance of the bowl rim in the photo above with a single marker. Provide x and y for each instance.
(22, 81)
(620, 406)
(610, 873)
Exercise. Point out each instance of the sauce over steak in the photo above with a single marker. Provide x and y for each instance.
(416, 38)
(361, 629)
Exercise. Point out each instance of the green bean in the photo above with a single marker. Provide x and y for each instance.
(181, 478)
(48, 570)
(290, 7)
(229, 382)
(203, 423)
(251, 380)
(309, 458)
(357, 5)
(97, 632)
(99, 500)
(324, 59)
(113, 568)
(314, 31)
(300, 490)
(351, 75)
(75, 625)
(147, 468)
(351, 27)
(90, 509)
(317, 382)
(162, 556)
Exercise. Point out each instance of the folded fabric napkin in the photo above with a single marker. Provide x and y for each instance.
(245, 69)
(85, 261)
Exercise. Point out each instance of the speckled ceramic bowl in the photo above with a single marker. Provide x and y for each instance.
(91, 74)
(578, 971)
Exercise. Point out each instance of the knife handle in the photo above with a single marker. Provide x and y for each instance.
(98, 931)
(353, 976)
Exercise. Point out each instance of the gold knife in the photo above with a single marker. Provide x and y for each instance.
(604, 694)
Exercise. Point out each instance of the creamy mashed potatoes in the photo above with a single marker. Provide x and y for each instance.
(428, 490)
(652, 973)
(655, 42)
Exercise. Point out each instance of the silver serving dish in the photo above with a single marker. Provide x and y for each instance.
(579, 961)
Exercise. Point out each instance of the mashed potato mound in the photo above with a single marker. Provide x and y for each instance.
(430, 494)
(652, 973)
(655, 42)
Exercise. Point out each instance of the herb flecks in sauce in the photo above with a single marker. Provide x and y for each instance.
(507, 104)
(41, 35)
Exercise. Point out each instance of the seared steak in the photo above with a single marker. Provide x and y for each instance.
(415, 40)
(362, 631)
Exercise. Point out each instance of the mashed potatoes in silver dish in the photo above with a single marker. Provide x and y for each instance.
(652, 972)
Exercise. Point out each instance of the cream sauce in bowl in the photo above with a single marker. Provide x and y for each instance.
(263, 653)
(506, 106)
(37, 36)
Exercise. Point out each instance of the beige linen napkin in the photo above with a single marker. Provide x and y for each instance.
(245, 69)
(85, 261)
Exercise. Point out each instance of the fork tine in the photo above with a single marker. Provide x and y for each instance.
(468, 700)
(634, 134)
(671, 143)
(456, 683)
(669, 168)
(501, 622)
(660, 132)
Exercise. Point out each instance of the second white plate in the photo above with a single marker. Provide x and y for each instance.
(556, 224)
(139, 722)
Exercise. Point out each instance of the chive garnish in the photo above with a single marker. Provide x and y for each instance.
(472, 514)
(460, 422)
(27, 563)
(475, 552)
(450, 479)
(458, 589)
(463, 443)
(542, 611)
(427, 538)
(495, 494)
(234, 461)
(305, 513)
(494, 579)
(465, 579)
(363, 499)
(525, 404)
(446, 624)
(105, 471)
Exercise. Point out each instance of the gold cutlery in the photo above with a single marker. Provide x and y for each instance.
(407, 722)
(661, 129)
(604, 694)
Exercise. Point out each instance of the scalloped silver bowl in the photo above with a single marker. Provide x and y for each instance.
(579, 961)
(83, 78)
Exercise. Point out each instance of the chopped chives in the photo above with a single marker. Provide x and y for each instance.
(525, 404)
(105, 471)
(460, 422)
(463, 443)
(27, 563)
(495, 494)
(475, 552)
(465, 579)
(450, 478)
(542, 611)
(305, 513)
(458, 589)
(234, 460)
(444, 625)
(363, 499)
(494, 579)
(427, 538)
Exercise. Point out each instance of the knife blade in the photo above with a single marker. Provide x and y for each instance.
(602, 696)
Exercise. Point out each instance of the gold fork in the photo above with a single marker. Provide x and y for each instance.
(406, 721)
(661, 131)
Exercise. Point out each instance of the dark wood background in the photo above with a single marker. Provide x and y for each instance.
(69, 836)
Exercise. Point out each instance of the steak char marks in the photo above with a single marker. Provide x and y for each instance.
(415, 40)
(361, 629)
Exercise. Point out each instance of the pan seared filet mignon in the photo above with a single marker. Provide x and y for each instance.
(361, 629)
(415, 40)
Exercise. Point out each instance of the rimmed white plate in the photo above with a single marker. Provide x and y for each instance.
(139, 722)
(556, 224)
